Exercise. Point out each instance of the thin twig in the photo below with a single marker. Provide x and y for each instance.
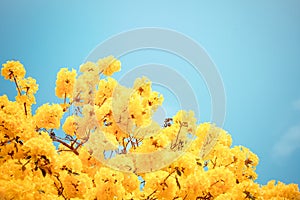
(65, 144)
(25, 108)
(19, 91)
(177, 137)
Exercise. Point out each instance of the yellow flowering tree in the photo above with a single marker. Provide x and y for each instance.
(112, 149)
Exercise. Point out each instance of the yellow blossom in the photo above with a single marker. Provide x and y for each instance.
(69, 126)
(28, 85)
(48, 116)
(13, 69)
(65, 83)
(109, 65)
(41, 145)
(105, 90)
(181, 160)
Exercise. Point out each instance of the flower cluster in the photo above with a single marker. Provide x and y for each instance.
(48, 116)
(13, 70)
(65, 83)
(109, 65)
(178, 160)
(26, 87)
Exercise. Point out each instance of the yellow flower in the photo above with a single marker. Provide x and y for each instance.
(65, 106)
(65, 83)
(69, 126)
(41, 145)
(142, 86)
(76, 186)
(109, 183)
(157, 180)
(3, 102)
(31, 167)
(143, 102)
(67, 160)
(109, 65)
(89, 67)
(28, 85)
(280, 190)
(13, 69)
(105, 90)
(130, 182)
(48, 116)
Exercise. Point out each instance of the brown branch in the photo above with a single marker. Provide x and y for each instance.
(7, 141)
(177, 137)
(169, 175)
(60, 189)
(80, 144)
(124, 146)
(130, 141)
(163, 183)
(61, 150)
(234, 160)
(217, 182)
(18, 88)
(65, 144)
(83, 140)
(25, 108)
(149, 196)
(23, 165)
(74, 142)
(214, 163)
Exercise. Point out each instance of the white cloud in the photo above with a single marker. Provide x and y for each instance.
(296, 104)
(289, 141)
(287, 144)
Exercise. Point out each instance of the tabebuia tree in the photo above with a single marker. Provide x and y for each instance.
(101, 143)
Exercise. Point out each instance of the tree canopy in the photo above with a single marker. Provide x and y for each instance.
(111, 148)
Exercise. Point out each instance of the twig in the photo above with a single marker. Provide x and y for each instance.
(177, 137)
(25, 108)
(65, 144)
(19, 91)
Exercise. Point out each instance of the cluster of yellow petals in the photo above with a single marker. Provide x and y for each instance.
(32, 167)
(40, 145)
(8, 111)
(70, 126)
(65, 82)
(26, 87)
(105, 90)
(280, 190)
(119, 109)
(143, 102)
(109, 65)
(48, 116)
(13, 69)
(156, 181)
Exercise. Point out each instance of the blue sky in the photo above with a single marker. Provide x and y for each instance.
(255, 46)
